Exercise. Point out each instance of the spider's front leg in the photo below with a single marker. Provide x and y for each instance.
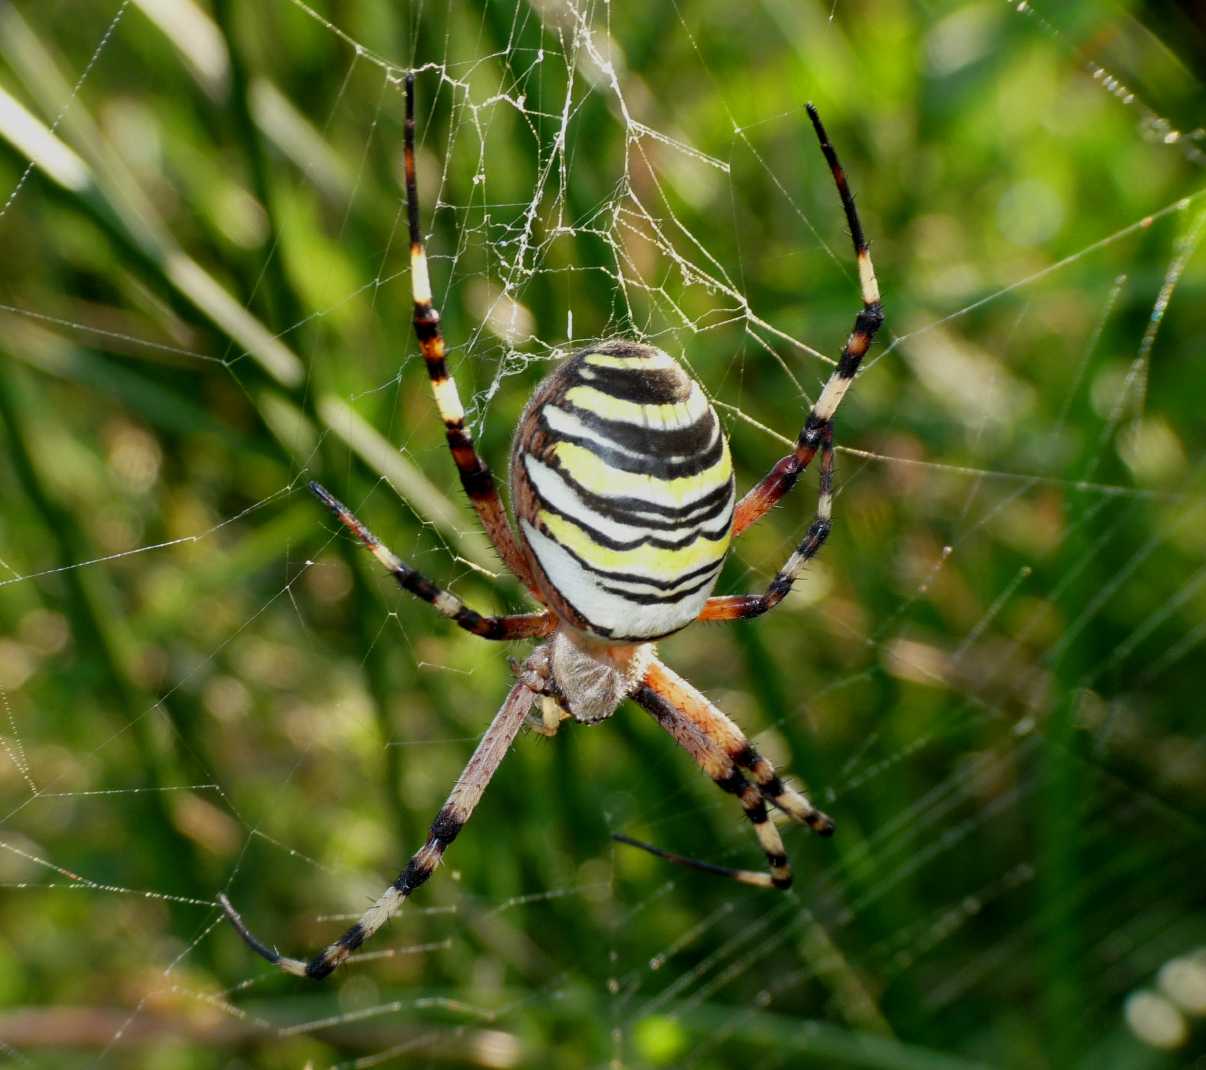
(817, 433)
(463, 799)
(475, 475)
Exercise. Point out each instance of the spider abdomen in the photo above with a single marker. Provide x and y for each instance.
(623, 490)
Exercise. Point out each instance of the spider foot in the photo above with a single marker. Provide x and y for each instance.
(821, 823)
(270, 954)
(346, 517)
(798, 807)
(743, 876)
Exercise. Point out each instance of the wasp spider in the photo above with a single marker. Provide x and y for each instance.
(623, 490)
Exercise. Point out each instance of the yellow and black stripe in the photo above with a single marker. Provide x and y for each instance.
(623, 487)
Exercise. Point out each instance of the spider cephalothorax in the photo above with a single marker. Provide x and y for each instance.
(623, 495)
(588, 679)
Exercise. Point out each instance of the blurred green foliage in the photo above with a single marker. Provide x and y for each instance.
(991, 678)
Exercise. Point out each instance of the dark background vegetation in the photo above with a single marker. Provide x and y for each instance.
(992, 678)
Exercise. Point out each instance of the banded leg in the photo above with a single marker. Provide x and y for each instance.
(720, 767)
(474, 472)
(744, 606)
(517, 626)
(449, 821)
(720, 731)
(817, 433)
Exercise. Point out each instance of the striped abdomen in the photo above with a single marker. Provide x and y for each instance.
(623, 489)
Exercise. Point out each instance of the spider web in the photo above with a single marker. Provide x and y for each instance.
(989, 677)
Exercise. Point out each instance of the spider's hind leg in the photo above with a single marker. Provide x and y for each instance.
(722, 751)
(711, 722)
(729, 779)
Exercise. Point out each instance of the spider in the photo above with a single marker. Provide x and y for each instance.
(623, 491)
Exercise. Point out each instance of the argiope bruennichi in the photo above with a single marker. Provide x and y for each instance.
(623, 490)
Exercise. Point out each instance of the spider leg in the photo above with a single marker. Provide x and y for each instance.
(516, 626)
(722, 733)
(817, 433)
(721, 750)
(713, 761)
(742, 876)
(462, 801)
(744, 606)
(474, 472)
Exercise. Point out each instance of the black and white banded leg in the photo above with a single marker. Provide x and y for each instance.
(713, 723)
(817, 433)
(717, 765)
(721, 750)
(474, 473)
(744, 606)
(462, 801)
(516, 626)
